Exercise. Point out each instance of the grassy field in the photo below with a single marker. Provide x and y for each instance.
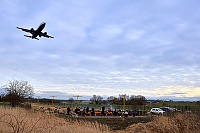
(183, 106)
(179, 123)
(20, 120)
(17, 120)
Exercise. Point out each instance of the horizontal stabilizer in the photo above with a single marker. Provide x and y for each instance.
(28, 36)
(31, 37)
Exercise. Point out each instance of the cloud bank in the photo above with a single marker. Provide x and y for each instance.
(103, 47)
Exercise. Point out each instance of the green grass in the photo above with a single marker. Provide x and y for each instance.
(183, 106)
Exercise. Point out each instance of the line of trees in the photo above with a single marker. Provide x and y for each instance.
(17, 92)
(135, 100)
(132, 100)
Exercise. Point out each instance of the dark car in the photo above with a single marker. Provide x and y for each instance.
(168, 109)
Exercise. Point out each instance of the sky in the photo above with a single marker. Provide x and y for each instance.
(103, 47)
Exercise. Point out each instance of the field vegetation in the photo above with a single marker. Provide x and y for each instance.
(17, 120)
(179, 123)
(41, 115)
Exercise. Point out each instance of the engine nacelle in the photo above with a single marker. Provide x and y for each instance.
(45, 33)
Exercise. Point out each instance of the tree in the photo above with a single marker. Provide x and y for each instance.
(137, 100)
(96, 99)
(113, 100)
(17, 91)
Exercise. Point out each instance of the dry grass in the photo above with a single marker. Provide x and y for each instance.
(17, 120)
(180, 123)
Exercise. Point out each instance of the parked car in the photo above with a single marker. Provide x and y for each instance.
(169, 109)
(157, 111)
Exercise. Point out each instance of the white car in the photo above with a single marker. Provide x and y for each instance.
(157, 111)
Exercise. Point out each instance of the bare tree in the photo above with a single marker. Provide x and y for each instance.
(113, 100)
(96, 99)
(17, 91)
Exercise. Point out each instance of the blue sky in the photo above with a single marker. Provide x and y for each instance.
(106, 48)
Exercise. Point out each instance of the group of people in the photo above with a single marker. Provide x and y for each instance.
(121, 113)
(78, 111)
(81, 111)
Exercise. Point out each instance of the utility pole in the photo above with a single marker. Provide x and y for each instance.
(77, 99)
(52, 99)
(123, 96)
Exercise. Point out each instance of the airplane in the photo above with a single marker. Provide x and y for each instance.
(37, 32)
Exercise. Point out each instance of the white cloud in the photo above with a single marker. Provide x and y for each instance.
(102, 47)
(134, 34)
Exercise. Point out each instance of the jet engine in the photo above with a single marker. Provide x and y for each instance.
(43, 34)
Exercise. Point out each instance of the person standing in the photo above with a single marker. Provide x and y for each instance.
(84, 110)
(68, 110)
(87, 110)
(102, 112)
(92, 113)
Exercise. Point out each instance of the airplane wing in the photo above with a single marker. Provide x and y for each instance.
(48, 36)
(45, 35)
(26, 30)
